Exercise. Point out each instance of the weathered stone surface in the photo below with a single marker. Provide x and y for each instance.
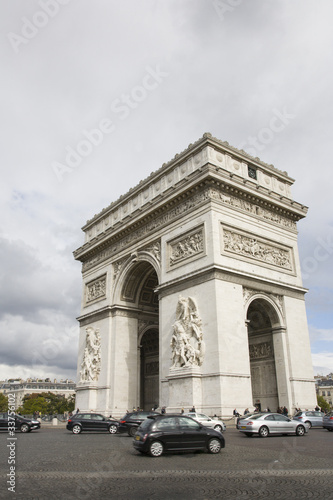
(216, 228)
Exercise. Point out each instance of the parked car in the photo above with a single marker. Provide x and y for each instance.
(91, 422)
(131, 421)
(265, 424)
(169, 433)
(203, 419)
(312, 418)
(21, 423)
(328, 421)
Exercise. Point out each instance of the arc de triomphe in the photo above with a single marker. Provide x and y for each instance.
(192, 291)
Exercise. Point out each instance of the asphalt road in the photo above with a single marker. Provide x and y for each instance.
(52, 463)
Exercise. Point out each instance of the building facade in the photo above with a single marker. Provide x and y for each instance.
(192, 291)
(23, 388)
(324, 388)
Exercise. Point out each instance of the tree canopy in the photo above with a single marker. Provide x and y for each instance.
(47, 403)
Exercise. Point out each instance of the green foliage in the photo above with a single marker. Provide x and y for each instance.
(30, 405)
(322, 403)
(47, 403)
(3, 402)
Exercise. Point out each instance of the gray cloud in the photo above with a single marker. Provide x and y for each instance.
(226, 75)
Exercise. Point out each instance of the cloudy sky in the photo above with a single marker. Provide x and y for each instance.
(152, 76)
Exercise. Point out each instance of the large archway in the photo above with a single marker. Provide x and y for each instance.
(138, 293)
(261, 318)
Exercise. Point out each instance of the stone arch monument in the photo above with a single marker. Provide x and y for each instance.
(192, 291)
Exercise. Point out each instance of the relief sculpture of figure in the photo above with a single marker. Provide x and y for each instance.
(187, 345)
(91, 362)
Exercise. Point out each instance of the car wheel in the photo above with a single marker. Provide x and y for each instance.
(263, 431)
(76, 429)
(218, 428)
(214, 445)
(112, 429)
(132, 431)
(156, 449)
(309, 424)
(24, 428)
(300, 431)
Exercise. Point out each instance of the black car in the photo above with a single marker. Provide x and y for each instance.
(91, 422)
(17, 422)
(168, 433)
(131, 421)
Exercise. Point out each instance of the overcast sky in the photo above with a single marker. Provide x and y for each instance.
(153, 76)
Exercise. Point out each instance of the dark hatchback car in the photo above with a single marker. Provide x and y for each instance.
(172, 433)
(21, 423)
(91, 422)
(131, 421)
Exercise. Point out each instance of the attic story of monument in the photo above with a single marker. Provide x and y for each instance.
(192, 291)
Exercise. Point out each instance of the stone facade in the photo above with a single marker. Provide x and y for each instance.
(192, 289)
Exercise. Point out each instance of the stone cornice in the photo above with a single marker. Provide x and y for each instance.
(234, 276)
(192, 149)
(208, 154)
(200, 186)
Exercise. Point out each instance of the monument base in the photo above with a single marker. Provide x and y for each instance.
(185, 388)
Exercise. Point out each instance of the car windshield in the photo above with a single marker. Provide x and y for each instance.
(298, 414)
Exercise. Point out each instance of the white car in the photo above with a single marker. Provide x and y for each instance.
(203, 419)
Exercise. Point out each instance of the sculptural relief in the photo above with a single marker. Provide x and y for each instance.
(186, 247)
(262, 350)
(187, 346)
(91, 362)
(256, 249)
(96, 289)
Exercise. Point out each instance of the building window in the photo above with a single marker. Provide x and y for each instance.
(328, 393)
(252, 172)
(323, 393)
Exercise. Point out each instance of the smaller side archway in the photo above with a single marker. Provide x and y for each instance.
(264, 322)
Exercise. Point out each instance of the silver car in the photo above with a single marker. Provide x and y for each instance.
(328, 421)
(203, 419)
(265, 424)
(312, 418)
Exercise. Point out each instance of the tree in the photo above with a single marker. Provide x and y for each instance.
(47, 403)
(3, 402)
(322, 403)
(33, 403)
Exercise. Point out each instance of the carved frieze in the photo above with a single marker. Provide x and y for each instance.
(91, 362)
(260, 351)
(252, 208)
(246, 245)
(190, 245)
(168, 216)
(187, 345)
(96, 289)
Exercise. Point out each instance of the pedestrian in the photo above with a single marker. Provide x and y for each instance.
(163, 410)
(235, 412)
(246, 411)
(193, 409)
(182, 410)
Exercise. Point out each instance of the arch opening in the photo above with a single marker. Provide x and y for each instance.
(261, 318)
(138, 294)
